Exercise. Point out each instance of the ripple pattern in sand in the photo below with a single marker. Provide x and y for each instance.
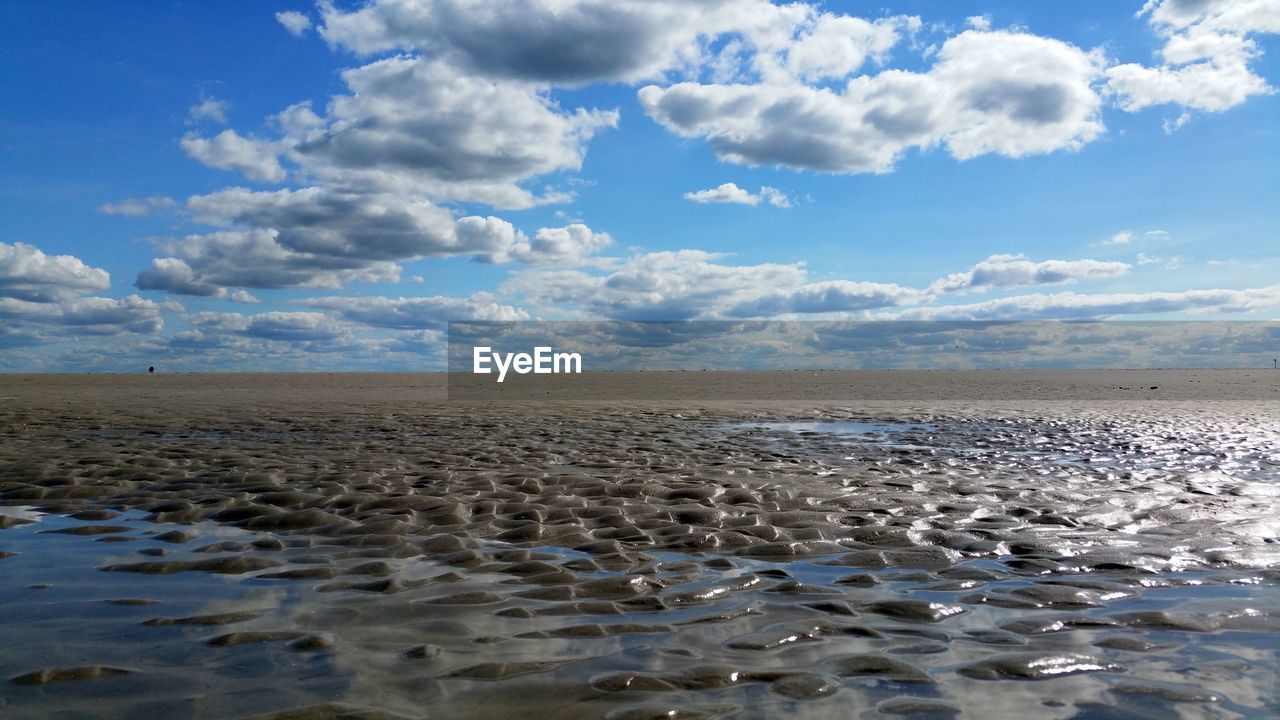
(637, 562)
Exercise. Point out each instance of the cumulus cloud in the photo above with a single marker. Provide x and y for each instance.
(677, 285)
(210, 109)
(1213, 85)
(255, 159)
(731, 193)
(294, 326)
(293, 21)
(567, 245)
(571, 42)
(319, 237)
(337, 224)
(333, 327)
(833, 296)
(1076, 306)
(1006, 93)
(1206, 56)
(253, 259)
(41, 298)
(417, 124)
(424, 313)
(566, 41)
(88, 315)
(465, 114)
(1235, 16)
(137, 207)
(29, 275)
(419, 342)
(174, 276)
(1014, 270)
(692, 284)
(835, 46)
(726, 193)
(978, 22)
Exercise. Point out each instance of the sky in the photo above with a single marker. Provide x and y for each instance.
(324, 186)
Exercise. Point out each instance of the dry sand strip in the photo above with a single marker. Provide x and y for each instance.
(369, 390)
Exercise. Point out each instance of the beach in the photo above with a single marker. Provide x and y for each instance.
(641, 545)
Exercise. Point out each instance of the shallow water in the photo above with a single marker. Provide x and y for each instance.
(640, 562)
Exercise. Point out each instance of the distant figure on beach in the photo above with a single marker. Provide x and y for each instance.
(152, 370)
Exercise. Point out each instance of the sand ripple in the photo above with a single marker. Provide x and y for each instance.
(638, 562)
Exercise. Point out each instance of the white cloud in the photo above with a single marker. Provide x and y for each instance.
(255, 159)
(1206, 85)
(732, 194)
(1235, 16)
(572, 42)
(295, 326)
(1127, 237)
(87, 315)
(1011, 94)
(337, 224)
(293, 21)
(318, 237)
(417, 125)
(829, 46)
(978, 22)
(676, 285)
(1015, 270)
(1169, 263)
(420, 342)
(175, 276)
(40, 297)
(566, 246)
(415, 313)
(275, 326)
(137, 207)
(1072, 306)
(832, 296)
(253, 259)
(561, 41)
(29, 275)
(1172, 125)
(210, 109)
(726, 193)
(775, 197)
(1206, 56)
(691, 284)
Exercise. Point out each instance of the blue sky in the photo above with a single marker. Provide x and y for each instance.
(309, 186)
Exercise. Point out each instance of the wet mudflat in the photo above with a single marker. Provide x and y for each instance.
(383, 555)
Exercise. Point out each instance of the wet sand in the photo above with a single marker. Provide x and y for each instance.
(1047, 545)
